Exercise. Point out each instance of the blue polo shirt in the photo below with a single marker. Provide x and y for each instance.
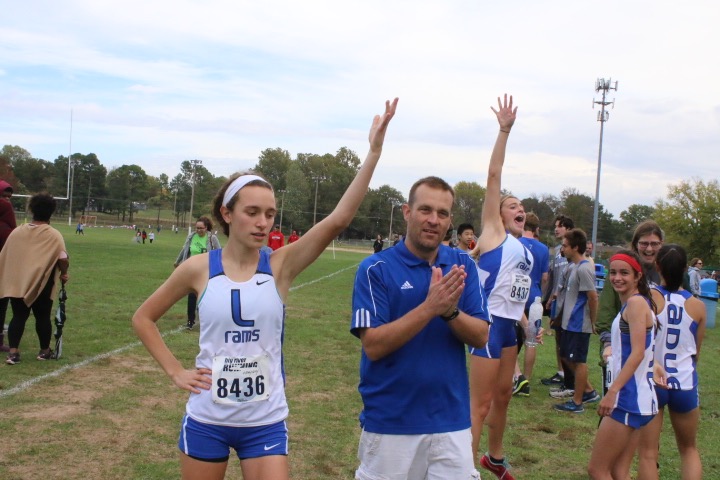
(422, 387)
(541, 264)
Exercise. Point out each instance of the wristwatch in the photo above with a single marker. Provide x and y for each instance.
(452, 316)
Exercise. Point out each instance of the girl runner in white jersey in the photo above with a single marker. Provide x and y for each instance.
(237, 397)
(505, 266)
(681, 319)
(630, 402)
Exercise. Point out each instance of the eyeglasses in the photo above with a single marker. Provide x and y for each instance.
(649, 244)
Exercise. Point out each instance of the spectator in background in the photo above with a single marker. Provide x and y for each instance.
(7, 225)
(558, 264)
(378, 245)
(151, 236)
(447, 241)
(539, 277)
(276, 239)
(80, 229)
(396, 239)
(694, 275)
(33, 259)
(294, 237)
(589, 247)
(200, 241)
(466, 237)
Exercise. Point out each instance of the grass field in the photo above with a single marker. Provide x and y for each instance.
(106, 410)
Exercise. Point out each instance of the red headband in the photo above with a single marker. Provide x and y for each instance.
(627, 259)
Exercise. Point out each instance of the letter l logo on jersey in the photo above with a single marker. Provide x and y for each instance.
(236, 308)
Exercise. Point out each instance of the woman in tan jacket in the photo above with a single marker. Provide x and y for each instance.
(33, 259)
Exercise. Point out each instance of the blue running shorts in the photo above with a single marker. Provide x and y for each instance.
(679, 401)
(212, 443)
(502, 334)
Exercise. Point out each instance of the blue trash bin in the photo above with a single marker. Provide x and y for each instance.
(709, 296)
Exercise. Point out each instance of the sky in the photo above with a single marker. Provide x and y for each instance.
(155, 83)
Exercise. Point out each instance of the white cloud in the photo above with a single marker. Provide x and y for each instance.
(159, 82)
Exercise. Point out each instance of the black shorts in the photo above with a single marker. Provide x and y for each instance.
(520, 332)
(574, 346)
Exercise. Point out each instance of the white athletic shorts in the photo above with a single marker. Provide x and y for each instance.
(437, 456)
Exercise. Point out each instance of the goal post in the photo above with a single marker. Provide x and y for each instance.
(89, 220)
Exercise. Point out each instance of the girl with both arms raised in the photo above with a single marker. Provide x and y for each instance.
(237, 387)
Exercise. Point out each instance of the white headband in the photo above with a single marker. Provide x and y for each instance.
(238, 184)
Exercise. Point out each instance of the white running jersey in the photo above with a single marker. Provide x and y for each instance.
(241, 334)
(676, 343)
(505, 277)
(638, 394)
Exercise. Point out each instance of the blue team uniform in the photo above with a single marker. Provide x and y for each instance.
(540, 265)
(422, 388)
(676, 350)
(505, 277)
(637, 396)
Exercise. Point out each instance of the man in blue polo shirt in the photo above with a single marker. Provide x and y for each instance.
(415, 306)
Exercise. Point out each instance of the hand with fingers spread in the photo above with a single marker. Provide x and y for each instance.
(505, 114)
(193, 380)
(445, 290)
(380, 124)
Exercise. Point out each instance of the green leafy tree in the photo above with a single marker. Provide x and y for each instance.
(127, 185)
(633, 215)
(33, 174)
(469, 198)
(273, 165)
(297, 198)
(691, 217)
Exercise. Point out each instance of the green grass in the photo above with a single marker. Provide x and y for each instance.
(119, 417)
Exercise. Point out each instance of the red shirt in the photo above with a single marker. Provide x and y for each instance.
(293, 238)
(276, 240)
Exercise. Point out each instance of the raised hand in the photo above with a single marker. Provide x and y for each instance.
(505, 114)
(379, 126)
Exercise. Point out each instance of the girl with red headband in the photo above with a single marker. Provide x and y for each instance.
(630, 402)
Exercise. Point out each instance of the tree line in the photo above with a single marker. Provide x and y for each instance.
(308, 187)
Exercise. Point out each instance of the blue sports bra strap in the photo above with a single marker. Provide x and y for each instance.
(216, 267)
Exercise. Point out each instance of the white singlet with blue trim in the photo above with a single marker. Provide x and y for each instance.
(637, 396)
(241, 334)
(505, 277)
(676, 343)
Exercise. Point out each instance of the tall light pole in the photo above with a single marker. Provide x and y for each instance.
(194, 164)
(72, 184)
(392, 209)
(601, 85)
(282, 205)
(69, 187)
(317, 180)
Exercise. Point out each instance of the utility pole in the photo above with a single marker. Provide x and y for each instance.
(317, 180)
(601, 85)
(69, 187)
(392, 209)
(194, 164)
(282, 205)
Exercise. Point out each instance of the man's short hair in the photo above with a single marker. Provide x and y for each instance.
(532, 222)
(432, 182)
(566, 222)
(463, 227)
(576, 238)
